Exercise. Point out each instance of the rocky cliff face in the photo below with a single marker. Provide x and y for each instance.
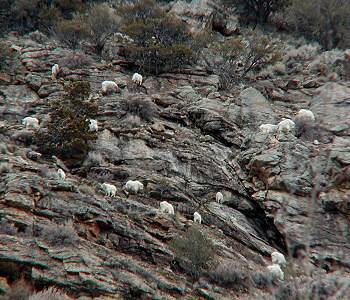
(280, 191)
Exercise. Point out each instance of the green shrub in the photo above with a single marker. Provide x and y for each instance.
(24, 14)
(161, 45)
(5, 8)
(193, 251)
(163, 31)
(71, 32)
(96, 26)
(256, 11)
(160, 59)
(243, 55)
(162, 42)
(30, 15)
(48, 17)
(67, 134)
(326, 21)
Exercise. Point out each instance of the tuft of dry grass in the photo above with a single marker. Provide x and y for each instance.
(60, 234)
(93, 159)
(231, 275)
(49, 294)
(131, 121)
(140, 105)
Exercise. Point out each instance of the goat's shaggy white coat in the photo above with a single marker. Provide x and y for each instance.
(54, 71)
(133, 186)
(30, 122)
(166, 207)
(219, 197)
(287, 125)
(61, 175)
(93, 126)
(197, 218)
(137, 78)
(109, 189)
(306, 114)
(276, 272)
(109, 87)
(278, 258)
(268, 128)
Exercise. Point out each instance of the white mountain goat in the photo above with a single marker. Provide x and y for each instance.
(276, 272)
(109, 87)
(166, 207)
(109, 189)
(54, 71)
(93, 126)
(133, 186)
(287, 125)
(137, 78)
(219, 197)
(268, 128)
(61, 175)
(278, 258)
(306, 114)
(30, 122)
(197, 218)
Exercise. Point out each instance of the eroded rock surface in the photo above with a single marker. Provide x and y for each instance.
(281, 192)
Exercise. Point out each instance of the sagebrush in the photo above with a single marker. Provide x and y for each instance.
(162, 43)
(60, 234)
(140, 105)
(231, 275)
(326, 21)
(101, 22)
(71, 32)
(256, 11)
(193, 251)
(242, 55)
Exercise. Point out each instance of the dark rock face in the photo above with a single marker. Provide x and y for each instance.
(292, 181)
(331, 104)
(280, 192)
(255, 109)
